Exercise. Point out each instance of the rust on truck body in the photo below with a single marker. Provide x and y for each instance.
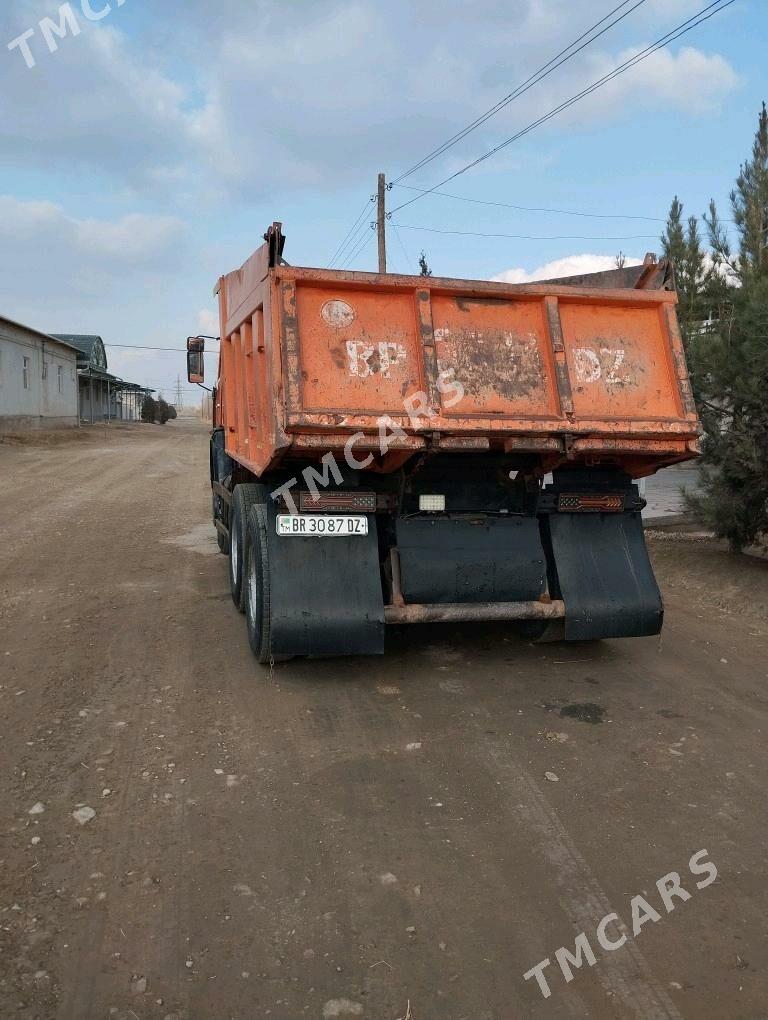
(310, 357)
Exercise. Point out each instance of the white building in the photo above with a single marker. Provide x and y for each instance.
(103, 396)
(38, 379)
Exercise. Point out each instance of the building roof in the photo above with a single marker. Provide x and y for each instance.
(43, 336)
(80, 341)
(98, 373)
(90, 348)
(93, 363)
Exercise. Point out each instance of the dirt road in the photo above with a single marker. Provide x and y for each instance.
(354, 838)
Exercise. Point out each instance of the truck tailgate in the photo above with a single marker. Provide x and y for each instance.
(531, 361)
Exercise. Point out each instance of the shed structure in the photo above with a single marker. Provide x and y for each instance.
(102, 396)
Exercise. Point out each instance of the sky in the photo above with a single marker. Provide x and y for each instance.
(146, 155)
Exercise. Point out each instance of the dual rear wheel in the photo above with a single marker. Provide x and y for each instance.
(244, 498)
(258, 608)
(249, 566)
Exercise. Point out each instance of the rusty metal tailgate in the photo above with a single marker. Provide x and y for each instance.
(537, 360)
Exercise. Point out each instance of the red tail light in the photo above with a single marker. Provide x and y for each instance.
(362, 502)
(605, 503)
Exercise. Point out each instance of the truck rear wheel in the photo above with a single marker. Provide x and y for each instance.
(243, 498)
(256, 586)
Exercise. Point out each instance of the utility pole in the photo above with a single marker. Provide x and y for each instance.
(178, 393)
(381, 219)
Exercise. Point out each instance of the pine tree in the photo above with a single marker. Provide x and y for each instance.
(749, 202)
(696, 280)
(734, 361)
(148, 409)
(163, 411)
(424, 265)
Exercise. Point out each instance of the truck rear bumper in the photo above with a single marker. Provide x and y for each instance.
(474, 611)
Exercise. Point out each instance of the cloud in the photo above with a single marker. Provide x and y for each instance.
(207, 322)
(350, 89)
(68, 275)
(96, 103)
(690, 81)
(134, 242)
(318, 95)
(571, 265)
(130, 279)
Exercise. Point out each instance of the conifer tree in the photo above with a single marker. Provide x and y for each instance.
(734, 363)
(148, 409)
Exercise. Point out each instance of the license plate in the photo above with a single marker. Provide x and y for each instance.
(322, 525)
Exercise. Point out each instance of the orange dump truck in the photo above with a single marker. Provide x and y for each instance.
(395, 449)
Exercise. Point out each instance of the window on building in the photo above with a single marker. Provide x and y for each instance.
(25, 373)
(45, 369)
(60, 370)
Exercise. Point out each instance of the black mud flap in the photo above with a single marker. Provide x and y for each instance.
(599, 566)
(471, 558)
(325, 593)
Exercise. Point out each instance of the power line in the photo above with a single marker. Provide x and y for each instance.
(366, 240)
(172, 350)
(358, 238)
(540, 209)
(530, 208)
(347, 239)
(527, 237)
(660, 43)
(352, 238)
(543, 72)
(405, 253)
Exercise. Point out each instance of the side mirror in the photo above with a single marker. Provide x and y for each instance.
(195, 359)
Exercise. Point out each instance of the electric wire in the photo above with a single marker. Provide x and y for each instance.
(542, 209)
(344, 240)
(693, 22)
(342, 246)
(408, 262)
(355, 240)
(543, 72)
(352, 237)
(366, 240)
(537, 209)
(173, 350)
(527, 237)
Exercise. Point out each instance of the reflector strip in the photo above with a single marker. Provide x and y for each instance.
(331, 501)
(592, 503)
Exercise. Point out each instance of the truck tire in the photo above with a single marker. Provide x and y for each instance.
(243, 498)
(256, 586)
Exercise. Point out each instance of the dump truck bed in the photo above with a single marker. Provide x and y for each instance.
(478, 445)
(572, 373)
